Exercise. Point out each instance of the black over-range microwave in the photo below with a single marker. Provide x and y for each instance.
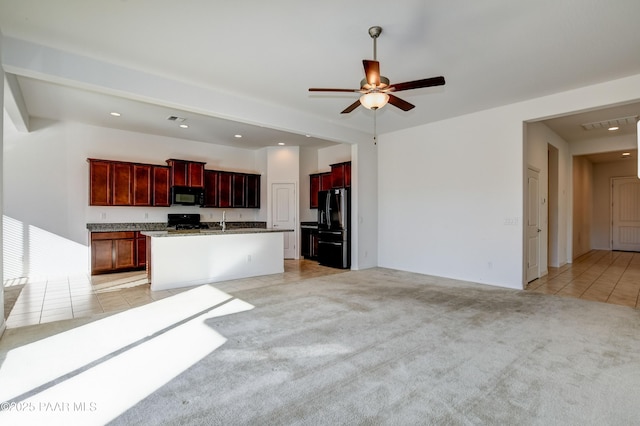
(187, 196)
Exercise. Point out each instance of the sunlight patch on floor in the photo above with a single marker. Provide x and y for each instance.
(95, 372)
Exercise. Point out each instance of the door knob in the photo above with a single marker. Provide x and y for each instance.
(539, 230)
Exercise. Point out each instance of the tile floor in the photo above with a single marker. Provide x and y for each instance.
(600, 275)
(603, 276)
(46, 300)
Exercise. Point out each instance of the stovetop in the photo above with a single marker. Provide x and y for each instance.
(184, 221)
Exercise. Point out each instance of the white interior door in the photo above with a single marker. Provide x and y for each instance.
(625, 210)
(533, 225)
(283, 215)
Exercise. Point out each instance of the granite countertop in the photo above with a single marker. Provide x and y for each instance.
(162, 226)
(200, 232)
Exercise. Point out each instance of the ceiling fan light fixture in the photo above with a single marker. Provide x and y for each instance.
(374, 100)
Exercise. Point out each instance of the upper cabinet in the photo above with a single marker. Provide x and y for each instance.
(142, 185)
(225, 189)
(161, 186)
(338, 177)
(119, 183)
(211, 188)
(318, 182)
(341, 175)
(252, 191)
(231, 189)
(100, 187)
(110, 183)
(186, 173)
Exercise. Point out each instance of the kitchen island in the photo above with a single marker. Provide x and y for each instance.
(187, 258)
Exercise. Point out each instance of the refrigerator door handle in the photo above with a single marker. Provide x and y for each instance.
(329, 242)
(327, 203)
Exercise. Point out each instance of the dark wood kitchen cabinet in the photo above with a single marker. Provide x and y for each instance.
(122, 184)
(341, 175)
(252, 191)
(211, 188)
(309, 242)
(186, 173)
(238, 190)
(225, 189)
(325, 181)
(161, 188)
(114, 252)
(119, 183)
(110, 183)
(314, 188)
(318, 182)
(141, 250)
(231, 189)
(99, 183)
(142, 185)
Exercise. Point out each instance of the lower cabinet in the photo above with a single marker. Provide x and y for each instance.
(117, 251)
(309, 243)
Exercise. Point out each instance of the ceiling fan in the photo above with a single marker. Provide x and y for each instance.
(376, 89)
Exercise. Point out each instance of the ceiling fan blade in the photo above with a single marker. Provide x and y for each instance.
(396, 101)
(417, 84)
(316, 89)
(351, 107)
(372, 72)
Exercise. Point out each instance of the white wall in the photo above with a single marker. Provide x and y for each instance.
(2, 321)
(538, 139)
(308, 165)
(364, 206)
(451, 193)
(46, 190)
(582, 205)
(332, 155)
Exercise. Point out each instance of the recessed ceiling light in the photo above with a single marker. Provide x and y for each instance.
(612, 128)
(184, 126)
(237, 136)
(115, 114)
(281, 143)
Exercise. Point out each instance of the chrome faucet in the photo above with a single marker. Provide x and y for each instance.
(223, 222)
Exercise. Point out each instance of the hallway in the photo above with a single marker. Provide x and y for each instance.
(599, 275)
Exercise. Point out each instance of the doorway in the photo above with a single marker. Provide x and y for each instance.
(533, 224)
(625, 214)
(283, 215)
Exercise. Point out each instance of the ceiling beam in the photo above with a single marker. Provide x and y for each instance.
(14, 103)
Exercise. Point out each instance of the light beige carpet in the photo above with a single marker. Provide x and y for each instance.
(382, 347)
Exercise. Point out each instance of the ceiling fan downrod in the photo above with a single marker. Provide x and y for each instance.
(375, 32)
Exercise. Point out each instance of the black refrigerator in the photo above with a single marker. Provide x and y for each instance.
(334, 228)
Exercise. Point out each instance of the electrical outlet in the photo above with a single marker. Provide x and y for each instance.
(103, 215)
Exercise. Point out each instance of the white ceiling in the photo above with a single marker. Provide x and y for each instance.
(492, 53)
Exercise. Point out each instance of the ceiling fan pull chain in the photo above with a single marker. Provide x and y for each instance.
(375, 130)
